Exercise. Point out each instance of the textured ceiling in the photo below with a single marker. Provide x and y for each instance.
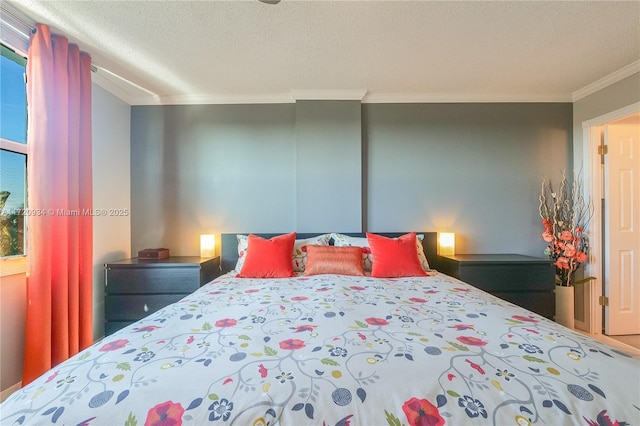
(236, 51)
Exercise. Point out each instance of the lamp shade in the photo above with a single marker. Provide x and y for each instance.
(207, 245)
(446, 243)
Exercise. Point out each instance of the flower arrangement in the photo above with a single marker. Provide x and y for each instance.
(565, 215)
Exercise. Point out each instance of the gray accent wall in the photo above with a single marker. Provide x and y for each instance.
(328, 166)
(208, 169)
(472, 169)
(344, 166)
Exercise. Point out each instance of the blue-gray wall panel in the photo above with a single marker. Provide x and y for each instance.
(321, 166)
(209, 169)
(473, 169)
(328, 166)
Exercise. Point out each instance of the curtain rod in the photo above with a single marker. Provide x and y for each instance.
(18, 19)
(31, 28)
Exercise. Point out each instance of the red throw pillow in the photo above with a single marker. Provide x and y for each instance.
(268, 258)
(395, 257)
(333, 260)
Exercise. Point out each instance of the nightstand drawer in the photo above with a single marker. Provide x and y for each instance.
(153, 280)
(111, 327)
(523, 280)
(505, 278)
(135, 307)
(136, 288)
(542, 303)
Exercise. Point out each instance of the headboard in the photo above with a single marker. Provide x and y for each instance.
(230, 245)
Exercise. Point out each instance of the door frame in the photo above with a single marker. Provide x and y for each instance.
(594, 188)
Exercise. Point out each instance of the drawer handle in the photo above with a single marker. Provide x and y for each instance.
(145, 308)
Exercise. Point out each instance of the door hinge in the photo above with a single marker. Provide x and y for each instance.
(603, 149)
(603, 301)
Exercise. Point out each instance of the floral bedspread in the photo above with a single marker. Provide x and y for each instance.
(337, 350)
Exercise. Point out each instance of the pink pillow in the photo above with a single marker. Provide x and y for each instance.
(333, 260)
(395, 257)
(268, 258)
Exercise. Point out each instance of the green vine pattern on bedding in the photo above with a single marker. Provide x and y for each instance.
(337, 350)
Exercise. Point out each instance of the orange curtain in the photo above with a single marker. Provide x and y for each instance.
(60, 236)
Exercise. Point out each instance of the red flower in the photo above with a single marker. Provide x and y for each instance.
(581, 257)
(547, 236)
(420, 412)
(603, 420)
(376, 321)
(471, 341)
(114, 346)
(521, 318)
(226, 322)
(566, 236)
(562, 263)
(569, 250)
(165, 414)
(418, 300)
(148, 328)
(462, 327)
(292, 344)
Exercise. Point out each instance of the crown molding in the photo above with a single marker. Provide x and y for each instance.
(329, 95)
(136, 95)
(288, 98)
(122, 93)
(269, 98)
(396, 98)
(612, 78)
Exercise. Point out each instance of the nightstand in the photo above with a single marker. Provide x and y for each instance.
(523, 280)
(135, 288)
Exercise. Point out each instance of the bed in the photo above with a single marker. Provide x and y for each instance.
(333, 349)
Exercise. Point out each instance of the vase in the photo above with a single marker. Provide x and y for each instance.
(565, 306)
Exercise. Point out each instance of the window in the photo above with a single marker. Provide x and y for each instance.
(13, 153)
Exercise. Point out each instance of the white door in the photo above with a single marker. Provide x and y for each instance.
(622, 228)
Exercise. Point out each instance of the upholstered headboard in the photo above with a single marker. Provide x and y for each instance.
(230, 245)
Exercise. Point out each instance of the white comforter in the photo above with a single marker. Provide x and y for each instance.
(337, 350)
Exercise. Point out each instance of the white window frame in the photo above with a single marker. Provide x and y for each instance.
(10, 265)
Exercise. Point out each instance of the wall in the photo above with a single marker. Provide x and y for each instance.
(618, 95)
(111, 235)
(208, 168)
(111, 191)
(13, 308)
(471, 168)
(328, 166)
(227, 168)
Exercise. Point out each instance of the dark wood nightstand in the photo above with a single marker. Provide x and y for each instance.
(523, 280)
(135, 288)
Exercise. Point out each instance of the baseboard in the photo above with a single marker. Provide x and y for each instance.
(5, 393)
(628, 349)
